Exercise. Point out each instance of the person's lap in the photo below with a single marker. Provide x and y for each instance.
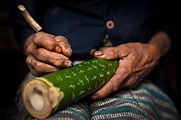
(146, 101)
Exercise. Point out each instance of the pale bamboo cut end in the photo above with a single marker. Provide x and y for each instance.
(39, 99)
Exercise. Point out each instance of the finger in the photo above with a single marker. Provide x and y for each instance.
(132, 81)
(33, 72)
(52, 58)
(112, 52)
(115, 83)
(92, 52)
(31, 48)
(46, 41)
(125, 75)
(104, 91)
(111, 86)
(65, 46)
(106, 53)
(38, 68)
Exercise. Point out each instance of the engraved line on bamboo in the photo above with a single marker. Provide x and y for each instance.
(102, 82)
(89, 69)
(81, 92)
(95, 61)
(29, 19)
(108, 73)
(72, 86)
(101, 74)
(95, 85)
(110, 64)
(94, 66)
(59, 78)
(86, 78)
(102, 65)
(94, 77)
(73, 95)
(80, 82)
(86, 62)
(67, 76)
(89, 88)
(81, 71)
(73, 73)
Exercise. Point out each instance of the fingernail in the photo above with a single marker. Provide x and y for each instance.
(58, 49)
(92, 51)
(98, 53)
(68, 63)
(68, 48)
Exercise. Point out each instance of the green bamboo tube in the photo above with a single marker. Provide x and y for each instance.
(44, 95)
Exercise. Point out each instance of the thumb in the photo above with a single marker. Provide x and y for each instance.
(106, 53)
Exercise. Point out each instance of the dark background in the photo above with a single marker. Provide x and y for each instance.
(13, 67)
(12, 63)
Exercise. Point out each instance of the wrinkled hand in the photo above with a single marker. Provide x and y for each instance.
(47, 53)
(136, 60)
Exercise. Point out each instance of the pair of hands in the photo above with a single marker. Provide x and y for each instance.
(48, 53)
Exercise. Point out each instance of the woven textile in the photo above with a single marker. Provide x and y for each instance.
(145, 102)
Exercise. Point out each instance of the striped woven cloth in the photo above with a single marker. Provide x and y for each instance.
(145, 102)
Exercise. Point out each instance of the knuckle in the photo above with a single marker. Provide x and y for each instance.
(61, 39)
(29, 49)
(40, 52)
(37, 36)
(38, 66)
(28, 60)
(58, 63)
